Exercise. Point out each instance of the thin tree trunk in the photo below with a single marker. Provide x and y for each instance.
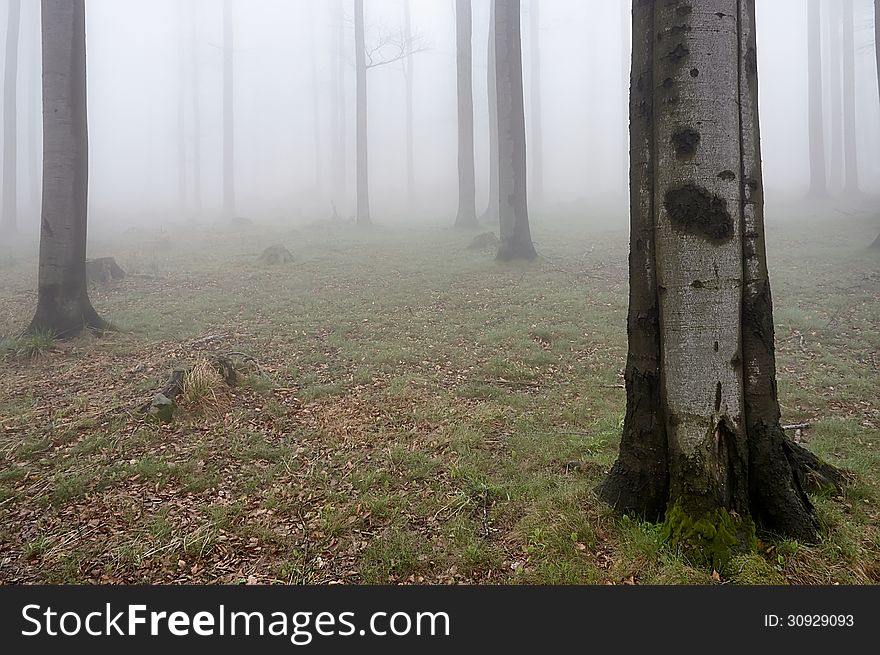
(850, 147)
(818, 177)
(409, 73)
(316, 108)
(35, 94)
(363, 178)
(492, 213)
(182, 172)
(536, 142)
(467, 189)
(702, 443)
(63, 305)
(196, 109)
(516, 238)
(836, 95)
(9, 222)
(228, 112)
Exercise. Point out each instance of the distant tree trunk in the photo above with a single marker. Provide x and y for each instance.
(516, 238)
(835, 92)
(363, 178)
(818, 177)
(536, 142)
(492, 213)
(228, 112)
(850, 148)
(316, 107)
(467, 189)
(337, 112)
(409, 73)
(196, 109)
(9, 223)
(182, 185)
(35, 94)
(63, 305)
(702, 443)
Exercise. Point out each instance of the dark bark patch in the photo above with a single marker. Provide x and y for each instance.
(693, 210)
(679, 53)
(684, 10)
(727, 176)
(685, 141)
(695, 72)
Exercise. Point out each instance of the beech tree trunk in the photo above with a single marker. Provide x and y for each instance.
(409, 73)
(9, 221)
(702, 443)
(516, 238)
(360, 56)
(491, 213)
(818, 177)
(467, 188)
(228, 112)
(850, 148)
(63, 305)
(536, 142)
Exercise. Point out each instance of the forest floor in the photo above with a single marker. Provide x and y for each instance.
(419, 414)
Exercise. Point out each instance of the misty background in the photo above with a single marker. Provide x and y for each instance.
(143, 56)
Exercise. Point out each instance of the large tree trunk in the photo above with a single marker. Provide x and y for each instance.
(818, 182)
(196, 109)
(409, 73)
(316, 107)
(835, 93)
(467, 188)
(491, 213)
(702, 443)
(228, 112)
(363, 177)
(9, 221)
(63, 305)
(513, 205)
(536, 142)
(850, 149)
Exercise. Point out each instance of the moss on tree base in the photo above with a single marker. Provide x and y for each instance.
(713, 538)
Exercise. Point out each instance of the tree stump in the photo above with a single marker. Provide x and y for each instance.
(103, 270)
(275, 255)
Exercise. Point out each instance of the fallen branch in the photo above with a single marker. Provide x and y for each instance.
(796, 426)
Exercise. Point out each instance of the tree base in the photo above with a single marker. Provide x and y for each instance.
(67, 321)
(511, 250)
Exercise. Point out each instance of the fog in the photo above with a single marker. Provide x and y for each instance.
(141, 56)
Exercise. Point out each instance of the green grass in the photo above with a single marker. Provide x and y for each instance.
(416, 413)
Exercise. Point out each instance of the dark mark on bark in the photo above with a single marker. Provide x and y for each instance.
(685, 140)
(693, 210)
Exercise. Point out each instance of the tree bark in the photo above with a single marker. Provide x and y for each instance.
(467, 188)
(363, 178)
(850, 147)
(409, 73)
(818, 176)
(228, 112)
(9, 221)
(63, 305)
(516, 238)
(491, 214)
(702, 443)
(536, 143)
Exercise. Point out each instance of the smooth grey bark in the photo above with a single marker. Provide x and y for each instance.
(492, 213)
(228, 111)
(363, 177)
(513, 205)
(316, 108)
(850, 147)
(467, 187)
(196, 109)
(63, 305)
(835, 93)
(9, 221)
(818, 175)
(536, 133)
(409, 78)
(702, 437)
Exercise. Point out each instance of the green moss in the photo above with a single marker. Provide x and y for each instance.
(711, 539)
